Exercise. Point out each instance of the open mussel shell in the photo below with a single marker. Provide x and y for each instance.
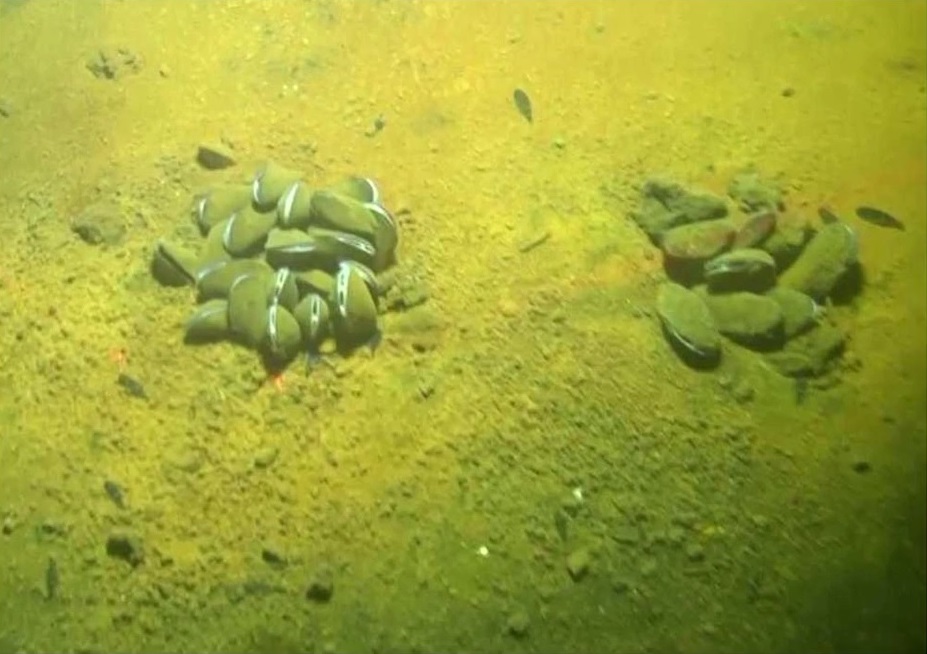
(283, 337)
(343, 214)
(172, 265)
(316, 281)
(367, 274)
(335, 246)
(270, 182)
(386, 237)
(248, 301)
(315, 248)
(294, 206)
(294, 249)
(218, 204)
(215, 279)
(313, 315)
(689, 326)
(285, 290)
(354, 310)
(209, 323)
(362, 189)
(744, 269)
(246, 231)
(213, 247)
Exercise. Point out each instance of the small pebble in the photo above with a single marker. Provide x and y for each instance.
(577, 564)
(648, 567)
(9, 525)
(517, 623)
(126, 547)
(321, 586)
(265, 457)
(272, 556)
(695, 552)
(214, 157)
(620, 585)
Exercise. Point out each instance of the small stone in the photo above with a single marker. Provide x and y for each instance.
(508, 308)
(517, 623)
(214, 157)
(272, 556)
(621, 585)
(627, 534)
(187, 460)
(265, 457)
(321, 586)
(126, 547)
(743, 392)
(695, 552)
(426, 388)
(577, 563)
(648, 567)
(9, 525)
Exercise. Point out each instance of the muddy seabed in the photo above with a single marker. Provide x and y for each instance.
(524, 464)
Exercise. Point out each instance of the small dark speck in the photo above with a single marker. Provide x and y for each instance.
(132, 386)
(788, 92)
(862, 466)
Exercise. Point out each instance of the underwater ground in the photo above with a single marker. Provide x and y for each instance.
(524, 464)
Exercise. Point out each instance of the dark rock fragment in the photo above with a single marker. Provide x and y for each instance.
(214, 157)
(321, 586)
(126, 547)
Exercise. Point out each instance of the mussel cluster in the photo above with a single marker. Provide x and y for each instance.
(758, 279)
(285, 268)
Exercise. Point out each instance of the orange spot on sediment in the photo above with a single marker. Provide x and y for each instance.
(119, 356)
